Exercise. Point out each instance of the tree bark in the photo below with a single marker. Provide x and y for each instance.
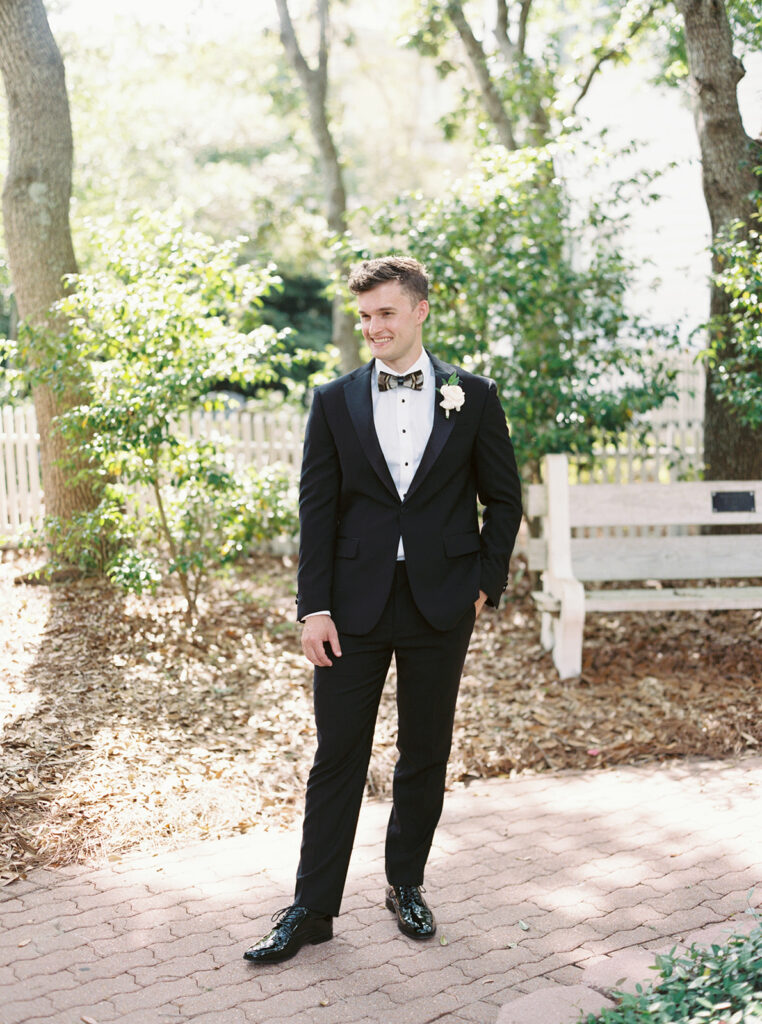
(732, 450)
(314, 81)
(36, 219)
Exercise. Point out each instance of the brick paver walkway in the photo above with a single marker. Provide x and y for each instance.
(548, 890)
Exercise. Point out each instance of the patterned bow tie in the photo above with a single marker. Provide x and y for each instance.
(387, 381)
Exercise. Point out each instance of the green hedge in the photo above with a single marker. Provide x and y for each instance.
(721, 984)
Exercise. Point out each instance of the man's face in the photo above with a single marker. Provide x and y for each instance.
(391, 324)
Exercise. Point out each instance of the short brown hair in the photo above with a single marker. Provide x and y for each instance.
(410, 273)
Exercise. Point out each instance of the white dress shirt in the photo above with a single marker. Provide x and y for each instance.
(403, 419)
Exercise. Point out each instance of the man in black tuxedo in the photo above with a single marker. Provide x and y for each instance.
(392, 562)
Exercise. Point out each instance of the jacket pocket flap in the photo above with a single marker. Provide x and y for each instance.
(461, 544)
(346, 547)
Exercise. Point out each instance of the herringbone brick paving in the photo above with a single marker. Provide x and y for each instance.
(549, 890)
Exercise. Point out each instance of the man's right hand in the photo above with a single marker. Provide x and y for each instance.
(319, 630)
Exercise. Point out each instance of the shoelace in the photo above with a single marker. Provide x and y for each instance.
(289, 915)
(409, 894)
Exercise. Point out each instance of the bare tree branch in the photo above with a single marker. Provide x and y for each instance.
(502, 35)
(322, 13)
(501, 26)
(523, 21)
(615, 51)
(478, 61)
(292, 48)
(314, 81)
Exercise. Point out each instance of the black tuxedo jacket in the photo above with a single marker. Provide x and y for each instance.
(352, 516)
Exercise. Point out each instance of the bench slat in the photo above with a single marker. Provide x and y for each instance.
(537, 554)
(664, 558)
(537, 501)
(568, 560)
(659, 504)
(652, 600)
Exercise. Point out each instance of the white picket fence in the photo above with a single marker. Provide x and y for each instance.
(260, 438)
(673, 448)
(20, 485)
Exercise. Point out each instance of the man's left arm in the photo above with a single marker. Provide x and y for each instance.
(499, 491)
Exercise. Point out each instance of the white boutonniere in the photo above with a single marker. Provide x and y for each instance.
(452, 394)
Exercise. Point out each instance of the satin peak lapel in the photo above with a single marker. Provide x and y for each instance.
(360, 406)
(443, 425)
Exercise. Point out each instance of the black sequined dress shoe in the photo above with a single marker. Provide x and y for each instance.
(295, 926)
(414, 916)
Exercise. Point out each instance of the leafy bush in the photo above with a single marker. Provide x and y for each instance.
(525, 293)
(718, 985)
(159, 325)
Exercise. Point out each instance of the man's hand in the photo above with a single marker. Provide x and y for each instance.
(480, 602)
(319, 630)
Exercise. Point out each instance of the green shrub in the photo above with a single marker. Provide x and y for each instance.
(525, 293)
(168, 316)
(717, 985)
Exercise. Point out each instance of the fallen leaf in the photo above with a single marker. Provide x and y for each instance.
(142, 733)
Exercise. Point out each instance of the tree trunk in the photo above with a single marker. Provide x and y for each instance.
(732, 450)
(314, 81)
(36, 218)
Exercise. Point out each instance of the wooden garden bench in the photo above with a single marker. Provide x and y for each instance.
(568, 561)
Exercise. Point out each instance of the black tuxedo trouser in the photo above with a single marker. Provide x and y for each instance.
(347, 695)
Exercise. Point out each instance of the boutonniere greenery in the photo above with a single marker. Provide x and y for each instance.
(452, 394)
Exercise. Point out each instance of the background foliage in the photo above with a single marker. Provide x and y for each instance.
(170, 315)
(718, 985)
(532, 281)
(529, 295)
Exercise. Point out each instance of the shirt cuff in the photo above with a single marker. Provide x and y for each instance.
(310, 614)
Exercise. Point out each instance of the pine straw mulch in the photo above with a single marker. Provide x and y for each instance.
(120, 728)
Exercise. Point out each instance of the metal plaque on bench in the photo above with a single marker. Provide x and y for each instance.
(733, 501)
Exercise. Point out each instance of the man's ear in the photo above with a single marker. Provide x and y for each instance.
(423, 311)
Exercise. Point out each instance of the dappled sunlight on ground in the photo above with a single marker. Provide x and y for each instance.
(23, 617)
(549, 889)
(130, 730)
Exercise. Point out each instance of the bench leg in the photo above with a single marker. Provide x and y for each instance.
(568, 630)
(547, 631)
